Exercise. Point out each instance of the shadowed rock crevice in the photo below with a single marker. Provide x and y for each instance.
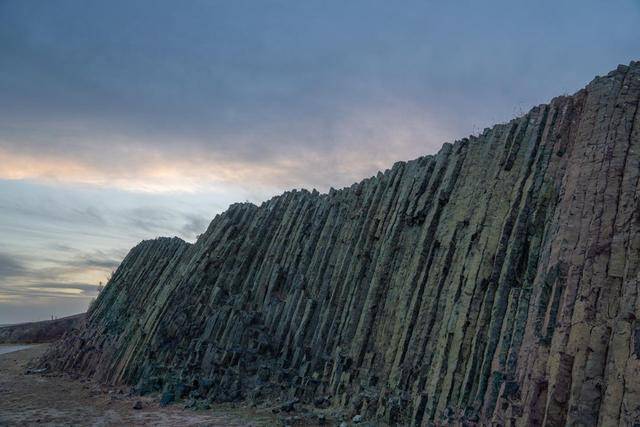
(494, 281)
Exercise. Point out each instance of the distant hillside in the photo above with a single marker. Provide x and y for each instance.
(39, 332)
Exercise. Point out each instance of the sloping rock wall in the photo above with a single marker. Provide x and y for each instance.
(496, 281)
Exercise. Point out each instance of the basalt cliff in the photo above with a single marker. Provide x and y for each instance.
(494, 282)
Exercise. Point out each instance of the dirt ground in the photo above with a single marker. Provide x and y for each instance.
(47, 400)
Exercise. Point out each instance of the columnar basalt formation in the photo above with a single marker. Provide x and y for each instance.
(496, 281)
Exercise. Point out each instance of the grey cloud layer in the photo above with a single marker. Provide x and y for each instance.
(16, 268)
(10, 266)
(115, 83)
(238, 100)
(60, 241)
(31, 292)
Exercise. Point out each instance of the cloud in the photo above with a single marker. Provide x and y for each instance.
(83, 289)
(10, 266)
(122, 121)
(316, 154)
(194, 226)
(95, 260)
(23, 277)
(50, 290)
(220, 95)
(62, 241)
(156, 220)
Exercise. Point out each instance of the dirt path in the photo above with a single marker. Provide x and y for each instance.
(10, 348)
(37, 399)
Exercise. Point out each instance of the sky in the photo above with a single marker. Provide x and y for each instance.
(128, 120)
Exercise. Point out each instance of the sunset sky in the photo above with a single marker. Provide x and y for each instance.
(128, 120)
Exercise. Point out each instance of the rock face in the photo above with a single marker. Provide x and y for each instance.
(496, 281)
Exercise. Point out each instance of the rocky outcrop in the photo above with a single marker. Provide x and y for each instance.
(40, 332)
(496, 281)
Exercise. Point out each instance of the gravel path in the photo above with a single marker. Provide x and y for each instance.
(10, 348)
(41, 399)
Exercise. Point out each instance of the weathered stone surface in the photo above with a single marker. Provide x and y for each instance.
(496, 281)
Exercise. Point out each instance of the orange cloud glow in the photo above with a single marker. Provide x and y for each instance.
(362, 144)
